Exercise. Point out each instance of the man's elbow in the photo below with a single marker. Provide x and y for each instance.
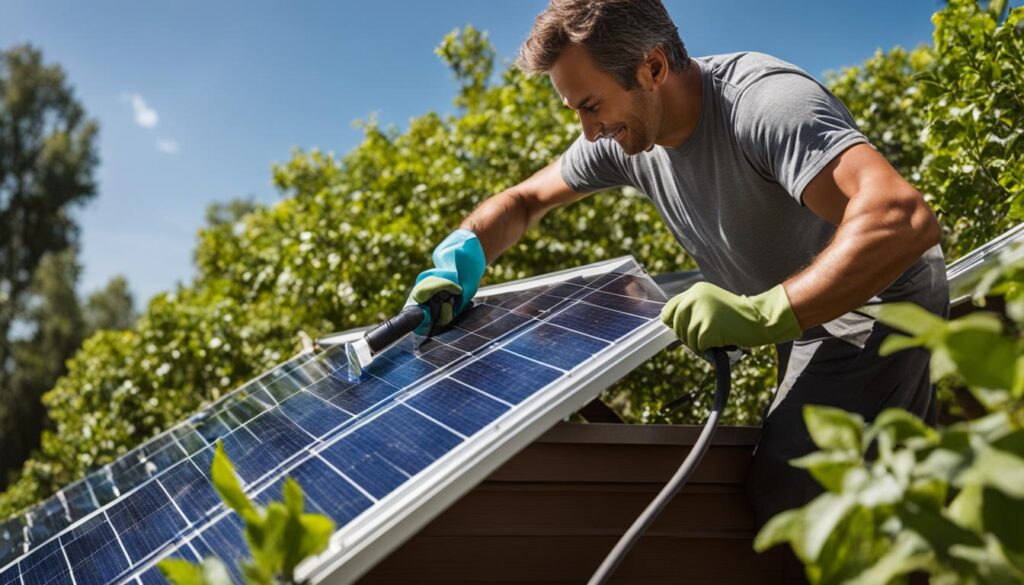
(917, 225)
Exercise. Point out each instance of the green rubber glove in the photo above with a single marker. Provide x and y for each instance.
(707, 316)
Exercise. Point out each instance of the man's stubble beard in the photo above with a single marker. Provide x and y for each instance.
(643, 128)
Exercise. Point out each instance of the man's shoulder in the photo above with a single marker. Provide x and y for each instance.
(740, 70)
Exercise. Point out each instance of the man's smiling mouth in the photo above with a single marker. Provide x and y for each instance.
(616, 135)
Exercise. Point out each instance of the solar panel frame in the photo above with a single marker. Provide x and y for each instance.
(145, 472)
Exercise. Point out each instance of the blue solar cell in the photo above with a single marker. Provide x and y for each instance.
(601, 280)
(541, 306)
(165, 457)
(224, 540)
(297, 372)
(333, 494)
(264, 397)
(326, 492)
(93, 552)
(10, 576)
(11, 539)
(333, 359)
(502, 326)
(370, 471)
(154, 576)
(407, 439)
(470, 342)
(311, 370)
(215, 426)
(191, 489)
(102, 488)
(408, 373)
(638, 307)
(556, 346)
(637, 287)
(457, 406)
(512, 300)
(448, 335)
(45, 566)
(364, 396)
(400, 353)
(79, 500)
(330, 386)
(399, 440)
(190, 441)
(568, 290)
(284, 386)
(443, 355)
(592, 320)
(131, 477)
(506, 376)
(477, 317)
(243, 408)
(313, 415)
(146, 520)
(266, 442)
(48, 519)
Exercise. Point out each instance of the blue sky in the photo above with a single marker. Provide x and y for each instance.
(195, 100)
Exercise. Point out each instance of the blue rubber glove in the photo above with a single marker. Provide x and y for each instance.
(459, 264)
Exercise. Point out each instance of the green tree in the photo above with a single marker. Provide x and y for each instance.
(111, 307)
(39, 356)
(47, 158)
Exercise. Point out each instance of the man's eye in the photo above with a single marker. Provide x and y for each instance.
(590, 109)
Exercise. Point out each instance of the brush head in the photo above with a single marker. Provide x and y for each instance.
(359, 356)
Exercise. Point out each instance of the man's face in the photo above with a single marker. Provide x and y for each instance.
(606, 110)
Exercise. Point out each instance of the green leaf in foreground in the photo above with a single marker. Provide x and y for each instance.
(834, 428)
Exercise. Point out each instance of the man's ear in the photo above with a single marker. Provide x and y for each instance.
(653, 70)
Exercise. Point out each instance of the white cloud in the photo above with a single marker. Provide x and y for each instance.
(168, 146)
(145, 116)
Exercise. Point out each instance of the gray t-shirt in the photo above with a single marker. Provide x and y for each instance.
(731, 194)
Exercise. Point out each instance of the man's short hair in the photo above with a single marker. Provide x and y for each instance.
(619, 34)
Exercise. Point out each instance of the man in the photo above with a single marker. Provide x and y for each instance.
(794, 219)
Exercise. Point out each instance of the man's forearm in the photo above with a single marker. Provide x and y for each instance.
(499, 222)
(878, 239)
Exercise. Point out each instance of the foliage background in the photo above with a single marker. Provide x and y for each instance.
(350, 232)
(48, 155)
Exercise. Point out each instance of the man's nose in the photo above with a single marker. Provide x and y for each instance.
(591, 128)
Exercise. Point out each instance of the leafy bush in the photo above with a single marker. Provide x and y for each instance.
(902, 497)
(280, 536)
(950, 117)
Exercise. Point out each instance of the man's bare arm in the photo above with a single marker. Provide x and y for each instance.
(500, 221)
(884, 225)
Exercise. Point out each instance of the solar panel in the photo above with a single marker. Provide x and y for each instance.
(381, 456)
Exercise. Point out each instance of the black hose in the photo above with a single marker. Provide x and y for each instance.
(722, 387)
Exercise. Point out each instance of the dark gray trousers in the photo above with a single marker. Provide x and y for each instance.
(837, 364)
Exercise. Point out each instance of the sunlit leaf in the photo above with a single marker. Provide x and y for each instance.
(834, 428)
(828, 467)
(226, 482)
